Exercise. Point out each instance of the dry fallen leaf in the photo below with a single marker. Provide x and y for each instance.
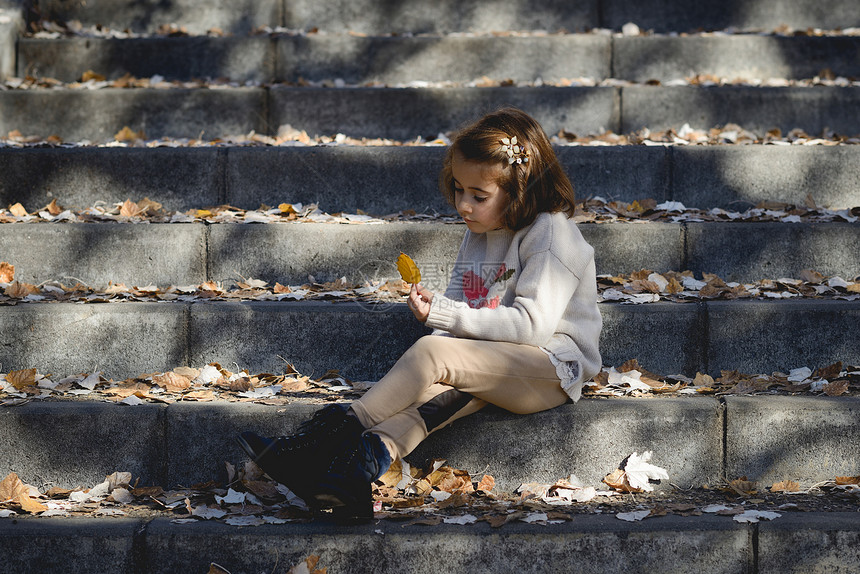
(785, 486)
(835, 388)
(408, 270)
(18, 210)
(21, 379)
(843, 480)
(171, 382)
(308, 566)
(7, 272)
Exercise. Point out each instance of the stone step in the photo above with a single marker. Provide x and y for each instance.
(698, 440)
(383, 180)
(230, 16)
(363, 341)
(399, 60)
(796, 543)
(185, 254)
(403, 114)
(470, 15)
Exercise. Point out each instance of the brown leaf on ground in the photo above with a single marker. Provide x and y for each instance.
(843, 480)
(11, 487)
(126, 134)
(617, 479)
(309, 566)
(20, 290)
(835, 388)
(217, 569)
(30, 505)
(21, 379)
(18, 210)
(53, 208)
(130, 209)
(486, 483)
(785, 486)
(829, 372)
(7, 272)
(743, 486)
(172, 382)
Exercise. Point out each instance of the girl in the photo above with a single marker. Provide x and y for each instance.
(517, 327)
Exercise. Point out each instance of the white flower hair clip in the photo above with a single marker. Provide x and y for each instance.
(516, 153)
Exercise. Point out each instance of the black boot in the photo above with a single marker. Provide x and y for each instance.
(299, 460)
(346, 487)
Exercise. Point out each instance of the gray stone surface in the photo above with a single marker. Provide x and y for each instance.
(408, 112)
(440, 17)
(387, 179)
(69, 544)
(739, 177)
(442, 58)
(758, 109)
(624, 173)
(753, 251)
(691, 15)
(11, 22)
(234, 16)
(763, 337)
(591, 544)
(644, 58)
(625, 248)
(117, 340)
(816, 544)
(804, 439)
(98, 253)
(97, 115)
(289, 253)
(586, 439)
(363, 340)
(74, 444)
(201, 437)
(180, 179)
(666, 338)
(313, 336)
(377, 180)
(796, 542)
(241, 59)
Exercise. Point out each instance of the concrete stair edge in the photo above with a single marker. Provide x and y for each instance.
(698, 440)
(405, 113)
(363, 17)
(167, 254)
(382, 180)
(395, 60)
(751, 336)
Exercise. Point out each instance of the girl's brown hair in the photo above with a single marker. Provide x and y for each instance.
(532, 187)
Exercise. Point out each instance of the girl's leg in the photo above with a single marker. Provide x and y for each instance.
(408, 404)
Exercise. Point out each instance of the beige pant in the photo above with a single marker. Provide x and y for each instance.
(440, 379)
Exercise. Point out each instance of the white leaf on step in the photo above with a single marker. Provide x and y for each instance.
(634, 516)
(756, 515)
(465, 519)
(639, 471)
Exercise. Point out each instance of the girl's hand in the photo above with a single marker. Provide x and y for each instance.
(419, 301)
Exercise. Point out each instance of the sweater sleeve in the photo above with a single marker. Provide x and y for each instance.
(543, 290)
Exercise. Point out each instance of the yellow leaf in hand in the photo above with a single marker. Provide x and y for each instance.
(408, 270)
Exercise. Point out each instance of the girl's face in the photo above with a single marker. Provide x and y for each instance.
(479, 201)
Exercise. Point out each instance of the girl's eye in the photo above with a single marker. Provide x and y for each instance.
(480, 199)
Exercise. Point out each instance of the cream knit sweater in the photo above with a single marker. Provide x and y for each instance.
(536, 286)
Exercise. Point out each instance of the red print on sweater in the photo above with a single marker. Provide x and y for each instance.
(476, 291)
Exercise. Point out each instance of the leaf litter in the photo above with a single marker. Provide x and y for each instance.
(428, 496)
